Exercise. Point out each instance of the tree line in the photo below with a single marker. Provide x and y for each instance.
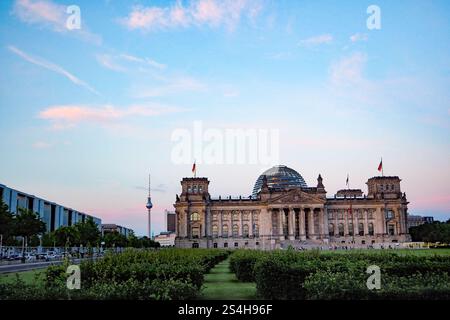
(431, 232)
(27, 228)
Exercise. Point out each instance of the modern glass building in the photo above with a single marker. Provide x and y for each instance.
(54, 215)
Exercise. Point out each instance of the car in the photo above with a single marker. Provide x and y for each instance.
(30, 257)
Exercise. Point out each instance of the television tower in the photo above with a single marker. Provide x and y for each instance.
(149, 207)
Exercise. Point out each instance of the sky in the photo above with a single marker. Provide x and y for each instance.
(88, 111)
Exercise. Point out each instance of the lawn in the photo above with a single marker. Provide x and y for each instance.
(29, 277)
(221, 284)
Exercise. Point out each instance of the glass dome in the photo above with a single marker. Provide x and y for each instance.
(280, 177)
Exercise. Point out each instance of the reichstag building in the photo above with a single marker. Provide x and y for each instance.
(283, 210)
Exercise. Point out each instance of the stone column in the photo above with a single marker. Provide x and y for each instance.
(301, 222)
(291, 222)
(321, 221)
(250, 227)
(219, 222)
(280, 224)
(326, 232)
(311, 223)
(366, 223)
(381, 221)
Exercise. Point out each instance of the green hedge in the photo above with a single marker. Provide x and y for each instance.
(324, 275)
(133, 274)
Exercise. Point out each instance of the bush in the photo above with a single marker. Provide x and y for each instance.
(328, 275)
(133, 274)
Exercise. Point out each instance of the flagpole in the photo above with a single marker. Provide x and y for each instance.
(382, 167)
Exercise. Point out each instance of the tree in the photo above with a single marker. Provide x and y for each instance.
(26, 224)
(431, 232)
(88, 232)
(115, 239)
(6, 222)
(66, 236)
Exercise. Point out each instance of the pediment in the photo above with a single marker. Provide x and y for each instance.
(296, 196)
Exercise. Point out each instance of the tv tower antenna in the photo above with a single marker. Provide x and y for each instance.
(149, 207)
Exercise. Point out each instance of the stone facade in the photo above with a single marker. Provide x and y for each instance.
(301, 216)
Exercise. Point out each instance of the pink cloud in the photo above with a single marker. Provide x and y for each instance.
(52, 15)
(197, 13)
(66, 116)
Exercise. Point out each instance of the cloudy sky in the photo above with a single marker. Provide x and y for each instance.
(86, 114)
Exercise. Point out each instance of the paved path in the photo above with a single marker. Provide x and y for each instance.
(221, 284)
(32, 265)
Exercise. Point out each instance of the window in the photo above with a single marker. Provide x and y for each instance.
(195, 232)
(215, 245)
(194, 189)
(215, 216)
(235, 230)
(391, 229)
(361, 229)
(257, 243)
(235, 216)
(225, 231)
(245, 230)
(350, 229)
(245, 216)
(195, 245)
(200, 189)
(215, 231)
(330, 215)
(255, 216)
(236, 245)
(341, 215)
(225, 245)
(370, 216)
(360, 214)
(256, 230)
(331, 229)
(370, 227)
(392, 187)
(189, 189)
(390, 214)
(341, 229)
(195, 216)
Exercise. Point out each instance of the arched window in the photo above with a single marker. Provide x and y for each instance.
(225, 231)
(331, 229)
(341, 229)
(235, 230)
(200, 189)
(350, 229)
(195, 216)
(361, 229)
(256, 230)
(194, 189)
(215, 216)
(370, 227)
(245, 230)
(189, 190)
(215, 231)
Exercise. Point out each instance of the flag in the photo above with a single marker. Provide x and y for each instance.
(380, 166)
(346, 183)
(194, 169)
